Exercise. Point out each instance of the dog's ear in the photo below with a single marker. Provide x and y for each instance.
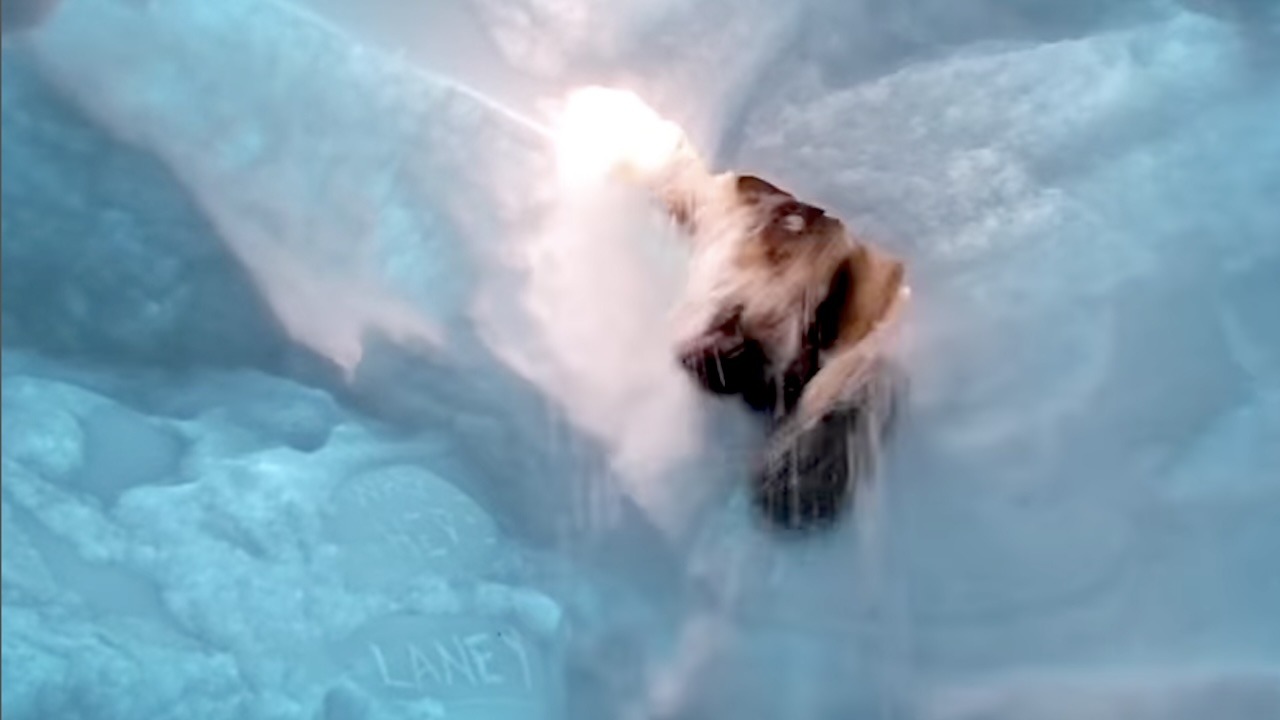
(786, 217)
(877, 280)
(858, 296)
(829, 316)
(825, 324)
(754, 191)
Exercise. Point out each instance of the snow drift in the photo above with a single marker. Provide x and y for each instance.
(322, 400)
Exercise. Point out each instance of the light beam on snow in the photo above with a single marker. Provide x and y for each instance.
(603, 129)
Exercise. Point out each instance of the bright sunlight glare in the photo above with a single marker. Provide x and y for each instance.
(602, 130)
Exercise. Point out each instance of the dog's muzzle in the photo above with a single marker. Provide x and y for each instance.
(723, 359)
(725, 363)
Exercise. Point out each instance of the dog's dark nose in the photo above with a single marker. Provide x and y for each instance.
(805, 478)
(724, 363)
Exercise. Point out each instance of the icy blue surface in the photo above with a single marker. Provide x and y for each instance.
(312, 407)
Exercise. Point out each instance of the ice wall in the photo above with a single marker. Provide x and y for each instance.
(112, 259)
(384, 237)
(476, 516)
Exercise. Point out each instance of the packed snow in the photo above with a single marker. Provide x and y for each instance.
(323, 399)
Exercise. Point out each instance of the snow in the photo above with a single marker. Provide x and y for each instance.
(322, 399)
(113, 260)
(241, 578)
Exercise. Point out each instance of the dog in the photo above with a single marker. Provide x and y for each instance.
(787, 309)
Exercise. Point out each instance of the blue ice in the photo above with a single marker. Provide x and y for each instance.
(321, 401)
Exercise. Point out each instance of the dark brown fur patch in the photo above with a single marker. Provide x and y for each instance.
(753, 190)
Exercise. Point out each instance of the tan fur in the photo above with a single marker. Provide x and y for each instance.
(878, 282)
(776, 258)
(858, 357)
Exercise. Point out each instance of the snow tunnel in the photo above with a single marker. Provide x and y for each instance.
(324, 400)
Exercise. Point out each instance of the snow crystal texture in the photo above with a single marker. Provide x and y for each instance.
(322, 400)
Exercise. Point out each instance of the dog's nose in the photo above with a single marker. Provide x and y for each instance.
(723, 362)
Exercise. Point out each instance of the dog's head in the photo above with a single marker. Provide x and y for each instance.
(771, 286)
